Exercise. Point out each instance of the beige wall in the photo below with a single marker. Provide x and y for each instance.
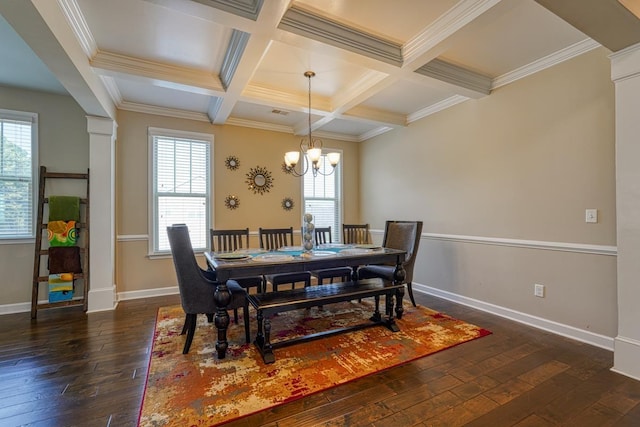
(63, 147)
(135, 271)
(523, 163)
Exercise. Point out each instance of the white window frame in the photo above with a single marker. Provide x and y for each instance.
(33, 119)
(337, 175)
(154, 227)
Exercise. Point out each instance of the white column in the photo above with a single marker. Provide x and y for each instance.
(625, 73)
(102, 289)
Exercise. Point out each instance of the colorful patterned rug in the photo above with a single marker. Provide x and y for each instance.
(198, 389)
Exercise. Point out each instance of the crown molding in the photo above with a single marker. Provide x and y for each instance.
(555, 58)
(163, 111)
(338, 136)
(438, 106)
(232, 56)
(173, 76)
(308, 24)
(79, 26)
(374, 132)
(450, 73)
(258, 125)
(249, 9)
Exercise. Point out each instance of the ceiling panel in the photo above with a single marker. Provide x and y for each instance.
(533, 32)
(215, 61)
(398, 20)
(406, 97)
(146, 30)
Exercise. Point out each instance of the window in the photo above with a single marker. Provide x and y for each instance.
(18, 162)
(322, 198)
(180, 182)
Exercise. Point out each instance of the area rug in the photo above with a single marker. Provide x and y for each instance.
(198, 389)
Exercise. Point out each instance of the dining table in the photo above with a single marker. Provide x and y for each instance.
(291, 259)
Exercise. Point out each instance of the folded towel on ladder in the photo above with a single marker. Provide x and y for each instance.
(60, 287)
(65, 259)
(61, 233)
(64, 208)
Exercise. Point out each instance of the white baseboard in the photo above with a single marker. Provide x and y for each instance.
(148, 293)
(102, 299)
(24, 307)
(21, 307)
(626, 357)
(581, 335)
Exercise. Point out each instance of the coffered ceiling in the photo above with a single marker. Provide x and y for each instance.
(379, 64)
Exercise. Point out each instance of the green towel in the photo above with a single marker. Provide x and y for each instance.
(64, 208)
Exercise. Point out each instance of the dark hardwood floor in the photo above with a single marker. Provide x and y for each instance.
(72, 369)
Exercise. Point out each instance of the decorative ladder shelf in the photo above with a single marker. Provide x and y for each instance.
(39, 252)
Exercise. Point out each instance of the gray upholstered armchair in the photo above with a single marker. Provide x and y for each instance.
(404, 235)
(196, 290)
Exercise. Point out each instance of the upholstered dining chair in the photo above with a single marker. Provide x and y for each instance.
(403, 235)
(272, 239)
(233, 240)
(196, 289)
(355, 233)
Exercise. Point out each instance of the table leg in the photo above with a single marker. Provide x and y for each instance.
(259, 342)
(267, 350)
(376, 314)
(391, 323)
(222, 297)
(398, 277)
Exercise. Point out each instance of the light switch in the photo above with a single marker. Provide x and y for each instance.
(591, 215)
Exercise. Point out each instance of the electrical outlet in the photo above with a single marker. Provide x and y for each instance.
(538, 290)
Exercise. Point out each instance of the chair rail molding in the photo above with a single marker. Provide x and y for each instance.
(520, 243)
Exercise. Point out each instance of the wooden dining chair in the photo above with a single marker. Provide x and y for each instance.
(272, 239)
(355, 234)
(229, 240)
(403, 235)
(232, 240)
(323, 235)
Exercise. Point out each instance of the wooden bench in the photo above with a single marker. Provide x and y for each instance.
(268, 304)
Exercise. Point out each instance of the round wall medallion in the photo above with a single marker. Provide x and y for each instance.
(259, 180)
(287, 203)
(231, 202)
(232, 163)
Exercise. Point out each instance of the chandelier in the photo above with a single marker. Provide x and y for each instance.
(310, 150)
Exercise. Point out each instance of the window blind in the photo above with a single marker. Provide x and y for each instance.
(322, 198)
(16, 175)
(181, 189)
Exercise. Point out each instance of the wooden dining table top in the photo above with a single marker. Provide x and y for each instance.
(248, 262)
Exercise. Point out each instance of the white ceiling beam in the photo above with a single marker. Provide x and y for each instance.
(44, 26)
(157, 73)
(255, 48)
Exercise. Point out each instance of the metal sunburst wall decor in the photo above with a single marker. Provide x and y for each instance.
(231, 202)
(287, 203)
(232, 163)
(259, 180)
(286, 169)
